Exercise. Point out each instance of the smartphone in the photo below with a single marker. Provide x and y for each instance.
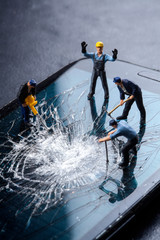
(57, 180)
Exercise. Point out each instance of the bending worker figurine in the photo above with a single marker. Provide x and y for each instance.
(123, 129)
(26, 90)
(99, 59)
(135, 94)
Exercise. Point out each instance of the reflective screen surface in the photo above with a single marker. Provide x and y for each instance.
(57, 181)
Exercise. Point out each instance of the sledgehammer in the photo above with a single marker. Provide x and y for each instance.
(117, 106)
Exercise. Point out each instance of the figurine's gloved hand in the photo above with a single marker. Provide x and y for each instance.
(84, 45)
(115, 52)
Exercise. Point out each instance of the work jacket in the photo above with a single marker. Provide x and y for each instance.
(131, 89)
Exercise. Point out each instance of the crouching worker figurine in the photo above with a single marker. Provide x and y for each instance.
(99, 59)
(24, 93)
(123, 129)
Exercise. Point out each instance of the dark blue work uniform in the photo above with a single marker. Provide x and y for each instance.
(99, 71)
(130, 88)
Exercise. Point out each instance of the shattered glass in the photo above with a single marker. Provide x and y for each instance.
(56, 179)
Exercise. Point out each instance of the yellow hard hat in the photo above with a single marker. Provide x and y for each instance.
(99, 44)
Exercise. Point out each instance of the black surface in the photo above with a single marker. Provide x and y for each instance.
(144, 225)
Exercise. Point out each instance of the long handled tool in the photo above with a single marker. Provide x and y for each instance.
(107, 160)
(117, 106)
(109, 114)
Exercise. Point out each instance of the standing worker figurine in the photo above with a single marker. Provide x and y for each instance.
(135, 94)
(99, 60)
(123, 129)
(27, 89)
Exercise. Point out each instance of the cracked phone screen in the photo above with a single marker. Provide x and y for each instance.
(56, 179)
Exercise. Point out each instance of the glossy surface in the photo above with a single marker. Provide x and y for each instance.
(52, 183)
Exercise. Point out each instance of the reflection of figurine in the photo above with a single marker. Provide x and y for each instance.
(141, 134)
(125, 187)
(26, 90)
(133, 90)
(99, 121)
(128, 181)
(99, 59)
(123, 129)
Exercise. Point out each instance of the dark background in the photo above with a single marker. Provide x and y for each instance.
(38, 37)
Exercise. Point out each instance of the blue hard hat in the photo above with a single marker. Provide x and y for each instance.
(117, 80)
(33, 83)
(112, 122)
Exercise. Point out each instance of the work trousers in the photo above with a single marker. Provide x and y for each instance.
(25, 113)
(102, 75)
(130, 144)
(139, 101)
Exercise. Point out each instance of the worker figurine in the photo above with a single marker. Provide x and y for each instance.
(99, 59)
(27, 89)
(123, 129)
(135, 94)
